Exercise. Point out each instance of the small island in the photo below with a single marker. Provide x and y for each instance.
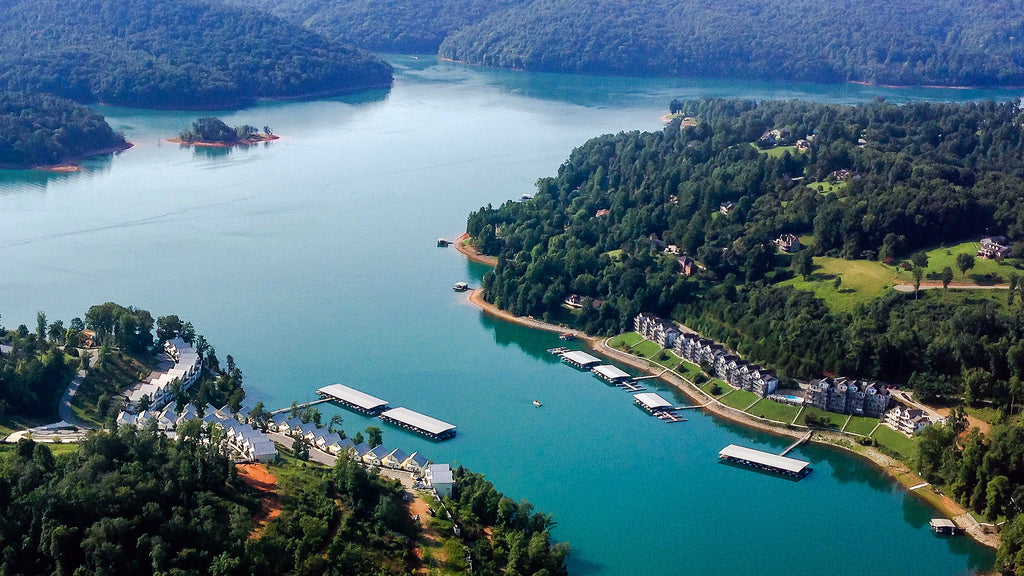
(46, 132)
(214, 132)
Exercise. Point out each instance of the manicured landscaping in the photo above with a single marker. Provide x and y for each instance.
(828, 187)
(861, 425)
(710, 385)
(778, 151)
(623, 341)
(862, 282)
(739, 399)
(896, 442)
(672, 362)
(646, 349)
(835, 420)
(773, 410)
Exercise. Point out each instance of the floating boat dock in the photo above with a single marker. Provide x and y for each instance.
(611, 374)
(352, 398)
(944, 526)
(765, 461)
(659, 407)
(419, 423)
(580, 360)
(559, 351)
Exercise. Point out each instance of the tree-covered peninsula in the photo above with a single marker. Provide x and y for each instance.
(920, 42)
(38, 129)
(213, 131)
(172, 54)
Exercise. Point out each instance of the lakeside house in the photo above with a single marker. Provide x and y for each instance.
(847, 396)
(994, 248)
(907, 421)
(704, 352)
(440, 478)
(788, 243)
(246, 442)
(187, 367)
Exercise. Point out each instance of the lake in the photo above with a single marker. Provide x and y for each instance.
(312, 260)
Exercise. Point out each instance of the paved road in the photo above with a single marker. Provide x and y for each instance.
(65, 402)
(315, 455)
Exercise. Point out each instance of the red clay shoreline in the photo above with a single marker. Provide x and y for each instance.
(70, 164)
(836, 440)
(243, 142)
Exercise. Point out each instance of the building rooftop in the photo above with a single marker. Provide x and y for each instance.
(791, 465)
(440, 474)
(652, 400)
(581, 358)
(417, 420)
(353, 396)
(610, 372)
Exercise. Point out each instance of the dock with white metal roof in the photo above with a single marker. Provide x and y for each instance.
(580, 360)
(352, 398)
(611, 374)
(765, 461)
(658, 406)
(419, 423)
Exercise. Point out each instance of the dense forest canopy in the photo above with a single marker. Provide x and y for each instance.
(37, 129)
(918, 42)
(905, 178)
(384, 25)
(171, 54)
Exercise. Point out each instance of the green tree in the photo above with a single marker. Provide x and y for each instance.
(803, 263)
(964, 262)
(374, 436)
(335, 424)
(946, 276)
(41, 326)
(918, 275)
(920, 259)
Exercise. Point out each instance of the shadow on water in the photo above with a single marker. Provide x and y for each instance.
(533, 342)
(18, 181)
(475, 271)
(582, 567)
(215, 153)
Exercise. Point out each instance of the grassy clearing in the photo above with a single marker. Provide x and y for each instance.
(623, 341)
(689, 371)
(710, 386)
(896, 442)
(943, 256)
(807, 240)
(773, 410)
(827, 187)
(985, 414)
(835, 420)
(778, 151)
(862, 282)
(861, 425)
(739, 399)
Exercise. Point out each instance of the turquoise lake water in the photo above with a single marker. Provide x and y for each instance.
(312, 260)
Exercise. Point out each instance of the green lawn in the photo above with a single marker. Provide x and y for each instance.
(862, 282)
(646, 349)
(861, 425)
(807, 240)
(773, 410)
(778, 151)
(623, 341)
(835, 420)
(896, 442)
(709, 387)
(673, 361)
(739, 399)
(689, 371)
(827, 188)
(941, 257)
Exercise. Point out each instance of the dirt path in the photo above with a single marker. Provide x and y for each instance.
(259, 478)
(432, 539)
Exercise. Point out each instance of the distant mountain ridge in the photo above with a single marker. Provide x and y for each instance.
(915, 42)
(184, 54)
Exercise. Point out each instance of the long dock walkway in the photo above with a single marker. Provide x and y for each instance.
(299, 406)
(805, 438)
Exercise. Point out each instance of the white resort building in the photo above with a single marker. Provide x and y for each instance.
(187, 368)
(846, 396)
(908, 421)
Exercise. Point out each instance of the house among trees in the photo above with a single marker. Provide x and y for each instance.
(788, 243)
(907, 421)
(803, 145)
(994, 248)
(845, 396)
(439, 476)
(602, 212)
(687, 266)
(726, 207)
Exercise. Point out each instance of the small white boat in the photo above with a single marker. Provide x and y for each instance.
(461, 286)
(537, 403)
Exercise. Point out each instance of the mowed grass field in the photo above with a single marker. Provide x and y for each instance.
(773, 410)
(862, 282)
(778, 151)
(941, 257)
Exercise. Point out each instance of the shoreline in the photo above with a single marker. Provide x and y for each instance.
(235, 144)
(70, 164)
(475, 256)
(889, 466)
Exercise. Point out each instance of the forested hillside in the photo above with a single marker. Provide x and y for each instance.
(902, 178)
(40, 129)
(171, 54)
(385, 25)
(912, 42)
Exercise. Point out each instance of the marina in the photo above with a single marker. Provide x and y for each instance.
(419, 423)
(611, 374)
(658, 407)
(580, 360)
(765, 461)
(353, 399)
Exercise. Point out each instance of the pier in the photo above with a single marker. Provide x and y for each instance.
(559, 351)
(580, 360)
(765, 461)
(299, 406)
(352, 398)
(630, 387)
(659, 407)
(611, 374)
(805, 438)
(419, 423)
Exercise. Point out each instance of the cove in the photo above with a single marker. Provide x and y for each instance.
(312, 260)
